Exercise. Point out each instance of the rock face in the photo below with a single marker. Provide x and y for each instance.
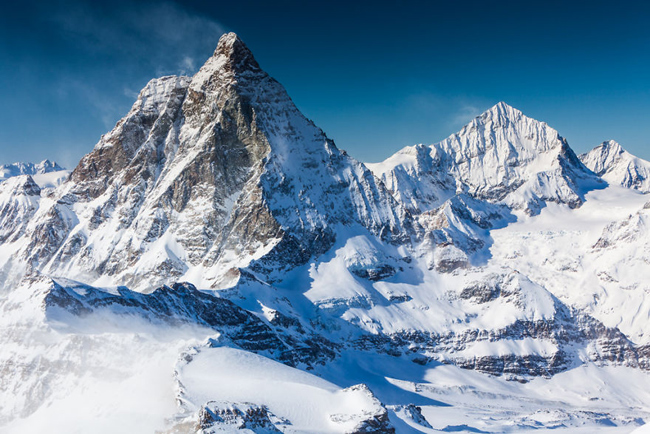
(215, 417)
(303, 256)
(183, 305)
(617, 166)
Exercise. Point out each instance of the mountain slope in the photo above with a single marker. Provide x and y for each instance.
(617, 166)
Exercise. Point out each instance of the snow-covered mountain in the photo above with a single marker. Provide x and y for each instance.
(217, 264)
(502, 162)
(502, 156)
(203, 176)
(617, 166)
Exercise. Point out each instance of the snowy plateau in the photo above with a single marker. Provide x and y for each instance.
(217, 264)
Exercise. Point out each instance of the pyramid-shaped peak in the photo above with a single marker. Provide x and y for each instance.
(237, 54)
(604, 155)
(502, 111)
(611, 146)
(503, 107)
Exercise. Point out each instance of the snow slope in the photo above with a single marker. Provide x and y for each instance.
(594, 258)
(114, 370)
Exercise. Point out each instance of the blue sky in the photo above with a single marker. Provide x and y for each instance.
(376, 76)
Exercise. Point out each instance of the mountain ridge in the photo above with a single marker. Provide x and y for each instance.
(501, 156)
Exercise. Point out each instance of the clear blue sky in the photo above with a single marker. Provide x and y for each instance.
(376, 76)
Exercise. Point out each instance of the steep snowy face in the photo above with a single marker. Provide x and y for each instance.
(19, 198)
(501, 156)
(617, 166)
(202, 176)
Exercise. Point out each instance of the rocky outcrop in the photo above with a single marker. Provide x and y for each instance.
(182, 304)
(375, 421)
(220, 416)
(543, 344)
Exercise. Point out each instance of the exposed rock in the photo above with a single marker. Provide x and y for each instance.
(216, 417)
(412, 412)
(184, 304)
(372, 422)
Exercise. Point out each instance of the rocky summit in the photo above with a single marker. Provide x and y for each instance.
(217, 264)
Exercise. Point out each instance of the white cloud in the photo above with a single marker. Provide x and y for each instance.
(137, 41)
(188, 65)
(463, 114)
(444, 113)
(161, 36)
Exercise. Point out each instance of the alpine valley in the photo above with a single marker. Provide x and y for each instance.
(217, 264)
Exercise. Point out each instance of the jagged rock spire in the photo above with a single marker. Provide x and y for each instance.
(238, 56)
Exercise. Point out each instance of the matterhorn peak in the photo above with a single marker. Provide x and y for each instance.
(235, 52)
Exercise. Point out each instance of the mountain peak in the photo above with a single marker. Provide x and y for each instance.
(503, 107)
(236, 53)
(501, 112)
(501, 156)
(611, 146)
(615, 165)
(604, 157)
(46, 166)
